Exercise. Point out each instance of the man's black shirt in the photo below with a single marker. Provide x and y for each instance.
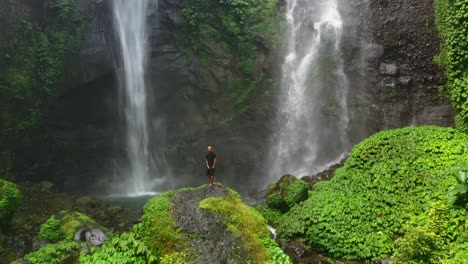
(210, 158)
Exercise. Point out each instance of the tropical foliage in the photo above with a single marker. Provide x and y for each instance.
(452, 23)
(388, 178)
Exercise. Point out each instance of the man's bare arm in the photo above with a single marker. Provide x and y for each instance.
(214, 163)
(206, 161)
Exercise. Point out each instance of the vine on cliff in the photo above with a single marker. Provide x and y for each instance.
(34, 63)
(241, 28)
(452, 23)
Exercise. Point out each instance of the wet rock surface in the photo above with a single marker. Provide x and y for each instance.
(93, 237)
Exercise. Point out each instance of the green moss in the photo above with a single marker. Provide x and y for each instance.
(10, 198)
(64, 225)
(244, 222)
(161, 234)
(387, 178)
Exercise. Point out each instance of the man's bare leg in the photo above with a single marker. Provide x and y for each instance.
(211, 180)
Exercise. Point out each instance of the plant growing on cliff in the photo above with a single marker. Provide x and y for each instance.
(34, 63)
(10, 198)
(237, 27)
(452, 23)
(387, 178)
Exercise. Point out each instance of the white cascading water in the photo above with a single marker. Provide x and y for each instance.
(130, 20)
(313, 118)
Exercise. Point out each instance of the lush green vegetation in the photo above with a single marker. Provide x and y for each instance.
(237, 28)
(53, 253)
(459, 192)
(10, 198)
(50, 230)
(452, 23)
(244, 222)
(387, 179)
(127, 248)
(439, 235)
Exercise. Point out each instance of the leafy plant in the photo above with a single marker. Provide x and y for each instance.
(50, 230)
(53, 253)
(277, 255)
(430, 236)
(126, 248)
(271, 215)
(386, 179)
(459, 192)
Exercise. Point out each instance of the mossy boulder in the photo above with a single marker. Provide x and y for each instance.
(67, 225)
(64, 234)
(286, 193)
(387, 178)
(10, 198)
(207, 225)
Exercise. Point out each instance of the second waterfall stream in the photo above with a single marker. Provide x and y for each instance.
(313, 113)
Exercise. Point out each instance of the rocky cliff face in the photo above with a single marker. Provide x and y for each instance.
(407, 78)
(390, 48)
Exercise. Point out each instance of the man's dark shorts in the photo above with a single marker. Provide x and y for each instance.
(210, 172)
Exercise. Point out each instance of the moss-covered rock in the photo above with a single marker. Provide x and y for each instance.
(207, 225)
(65, 225)
(10, 198)
(281, 197)
(388, 178)
(63, 232)
(286, 193)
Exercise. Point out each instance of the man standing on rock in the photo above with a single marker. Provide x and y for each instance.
(210, 165)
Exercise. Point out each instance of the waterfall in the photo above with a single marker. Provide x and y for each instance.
(130, 23)
(313, 118)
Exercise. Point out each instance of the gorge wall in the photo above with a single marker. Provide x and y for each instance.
(390, 49)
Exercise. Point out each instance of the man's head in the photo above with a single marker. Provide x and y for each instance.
(210, 148)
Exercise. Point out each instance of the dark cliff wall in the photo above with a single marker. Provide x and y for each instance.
(390, 47)
(407, 78)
